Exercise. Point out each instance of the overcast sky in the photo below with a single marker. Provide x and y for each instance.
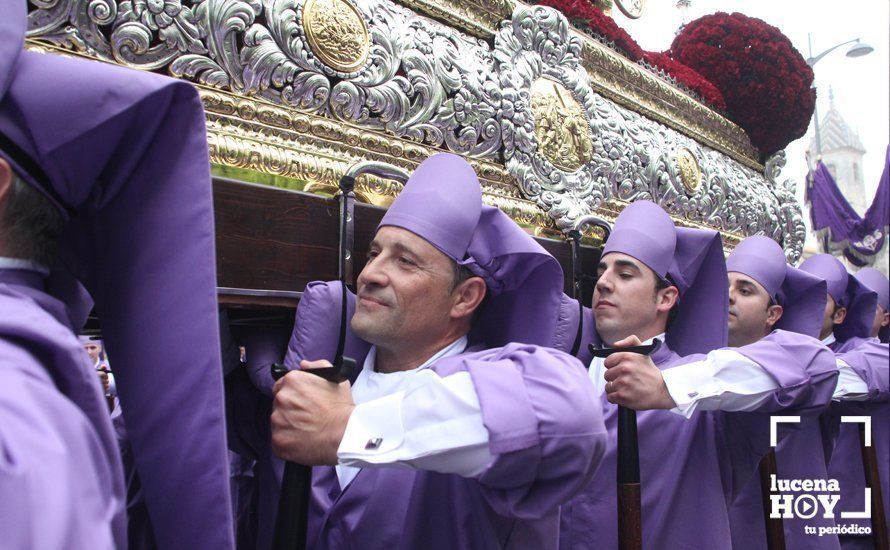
(860, 85)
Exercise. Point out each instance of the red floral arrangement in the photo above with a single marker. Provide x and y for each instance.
(688, 78)
(766, 83)
(584, 15)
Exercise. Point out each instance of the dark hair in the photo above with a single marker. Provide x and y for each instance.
(461, 274)
(661, 284)
(32, 224)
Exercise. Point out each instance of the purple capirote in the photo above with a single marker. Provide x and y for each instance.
(801, 295)
(847, 292)
(878, 282)
(123, 156)
(691, 259)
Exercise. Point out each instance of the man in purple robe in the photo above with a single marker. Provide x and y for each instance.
(766, 294)
(850, 330)
(461, 430)
(108, 166)
(659, 282)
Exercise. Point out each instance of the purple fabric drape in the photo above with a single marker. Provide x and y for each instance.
(842, 230)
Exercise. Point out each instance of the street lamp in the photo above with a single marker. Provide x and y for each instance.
(858, 49)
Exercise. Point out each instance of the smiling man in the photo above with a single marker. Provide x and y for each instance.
(660, 282)
(460, 431)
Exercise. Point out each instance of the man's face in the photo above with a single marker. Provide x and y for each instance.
(93, 350)
(404, 291)
(750, 315)
(833, 316)
(882, 319)
(625, 301)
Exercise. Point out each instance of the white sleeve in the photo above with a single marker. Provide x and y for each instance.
(725, 380)
(112, 386)
(850, 386)
(434, 424)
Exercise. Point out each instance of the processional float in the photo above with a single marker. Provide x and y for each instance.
(562, 129)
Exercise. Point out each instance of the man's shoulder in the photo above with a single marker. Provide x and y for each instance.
(26, 325)
(515, 352)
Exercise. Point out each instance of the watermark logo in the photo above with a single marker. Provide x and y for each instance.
(809, 498)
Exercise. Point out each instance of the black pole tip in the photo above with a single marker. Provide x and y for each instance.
(278, 371)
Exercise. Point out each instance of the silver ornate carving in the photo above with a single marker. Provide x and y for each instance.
(791, 231)
(537, 44)
(423, 80)
(426, 82)
(634, 157)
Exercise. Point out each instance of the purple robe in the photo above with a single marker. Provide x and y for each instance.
(803, 451)
(691, 469)
(123, 156)
(871, 360)
(61, 481)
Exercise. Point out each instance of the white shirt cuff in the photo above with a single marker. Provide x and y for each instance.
(724, 380)
(688, 384)
(850, 386)
(435, 424)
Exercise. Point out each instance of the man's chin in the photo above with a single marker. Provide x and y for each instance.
(367, 330)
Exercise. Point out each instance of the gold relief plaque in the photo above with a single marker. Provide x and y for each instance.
(337, 33)
(690, 173)
(561, 128)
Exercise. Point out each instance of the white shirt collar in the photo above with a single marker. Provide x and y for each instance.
(458, 346)
(828, 340)
(18, 263)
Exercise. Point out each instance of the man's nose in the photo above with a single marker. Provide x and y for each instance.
(372, 274)
(604, 284)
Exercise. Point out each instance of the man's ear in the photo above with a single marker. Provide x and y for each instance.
(886, 319)
(839, 315)
(773, 314)
(5, 183)
(467, 297)
(667, 298)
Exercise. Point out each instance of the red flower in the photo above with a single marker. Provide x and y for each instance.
(765, 81)
(688, 78)
(586, 16)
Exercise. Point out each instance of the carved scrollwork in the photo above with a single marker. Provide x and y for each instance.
(419, 80)
(633, 157)
(544, 113)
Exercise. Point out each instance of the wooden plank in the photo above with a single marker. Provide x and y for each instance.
(270, 239)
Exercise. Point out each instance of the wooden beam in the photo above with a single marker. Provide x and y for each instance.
(271, 242)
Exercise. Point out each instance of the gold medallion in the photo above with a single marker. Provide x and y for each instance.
(561, 128)
(690, 173)
(337, 33)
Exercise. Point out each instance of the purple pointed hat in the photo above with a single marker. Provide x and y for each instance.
(801, 295)
(691, 259)
(123, 155)
(878, 282)
(442, 202)
(847, 292)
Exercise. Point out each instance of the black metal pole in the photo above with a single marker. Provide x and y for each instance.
(630, 509)
(292, 522)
